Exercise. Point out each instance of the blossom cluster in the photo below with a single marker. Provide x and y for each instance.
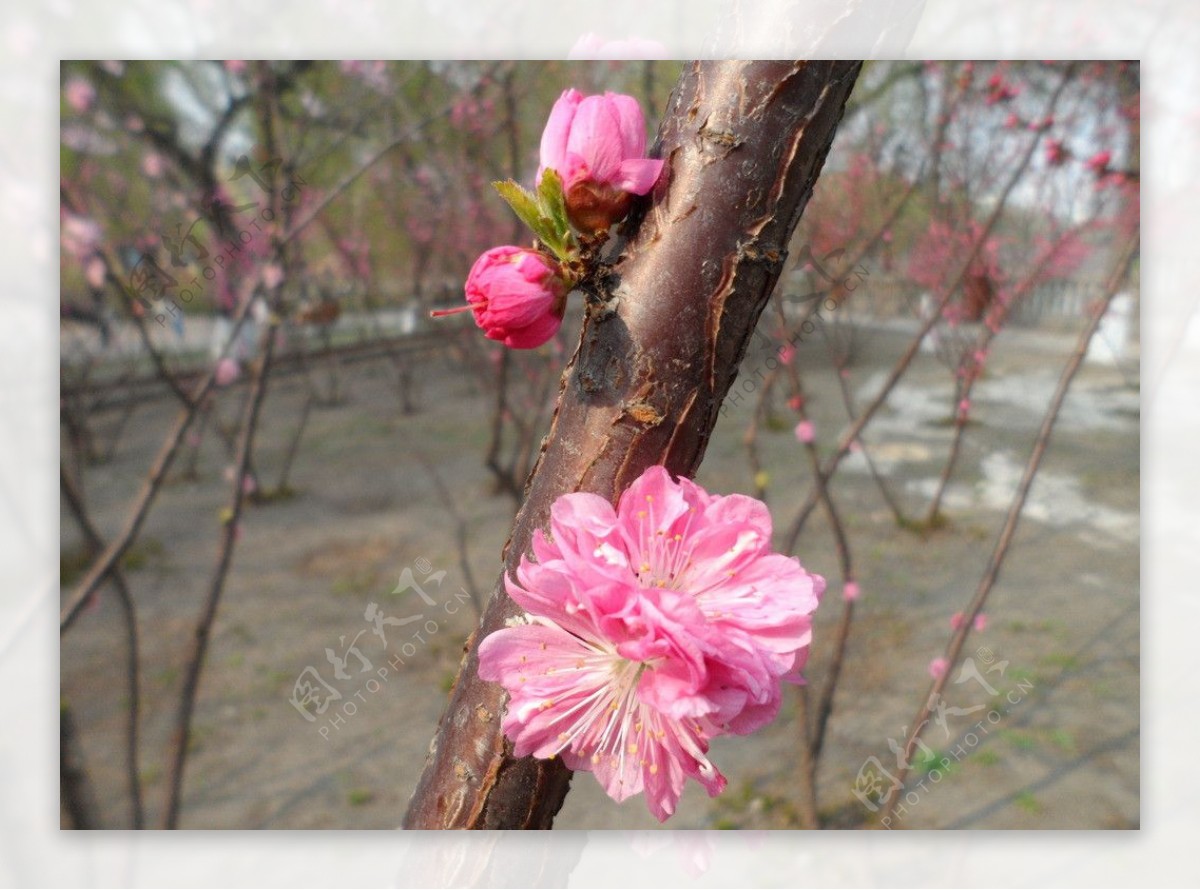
(592, 165)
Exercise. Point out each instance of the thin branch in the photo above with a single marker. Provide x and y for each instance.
(132, 649)
(1008, 531)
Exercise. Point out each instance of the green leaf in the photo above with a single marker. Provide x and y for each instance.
(526, 206)
(554, 205)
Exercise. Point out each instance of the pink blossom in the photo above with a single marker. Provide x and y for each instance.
(805, 432)
(964, 407)
(850, 591)
(938, 667)
(787, 352)
(272, 276)
(228, 370)
(1055, 152)
(80, 235)
(1011, 121)
(1098, 162)
(957, 620)
(152, 164)
(517, 295)
(597, 145)
(95, 272)
(80, 94)
(796, 402)
(651, 629)
(234, 66)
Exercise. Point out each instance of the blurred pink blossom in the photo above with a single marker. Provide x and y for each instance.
(80, 93)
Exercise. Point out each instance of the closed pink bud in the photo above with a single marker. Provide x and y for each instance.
(517, 295)
(597, 145)
(938, 667)
(805, 432)
(850, 591)
(981, 621)
(1098, 162)
(787, 352)
(956, 620)
(964, 407)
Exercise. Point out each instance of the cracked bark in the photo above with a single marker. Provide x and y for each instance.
(744, 143)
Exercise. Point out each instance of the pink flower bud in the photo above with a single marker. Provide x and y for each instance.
(227, 371)
(518, 296)
(787, 352)
(1098, 162)
(981, 622)
(938, 667)
(964, 407)
(805, 432)
(1055, 153)
(597, 145)
(796, 402)
(850, 591)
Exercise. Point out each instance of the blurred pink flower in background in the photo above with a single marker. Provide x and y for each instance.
(938, 667)
(850, 591)
(805, 432)
(227, 371)
(272, 275)
(651, 629)
(80, 94)
(787, 353)
(152, 164)
(95, 272)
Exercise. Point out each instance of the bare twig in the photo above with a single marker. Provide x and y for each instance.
(1008, 531)
(132, 651)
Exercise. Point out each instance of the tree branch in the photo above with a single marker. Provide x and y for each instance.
(744, 143)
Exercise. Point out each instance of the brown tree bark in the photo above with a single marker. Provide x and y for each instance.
(667, 328)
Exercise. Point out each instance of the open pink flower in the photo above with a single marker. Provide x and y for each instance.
(597, 145)
(518, 296)
(651, 629)
(806, 432)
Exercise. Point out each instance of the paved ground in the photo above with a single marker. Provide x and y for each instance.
(1062, 642)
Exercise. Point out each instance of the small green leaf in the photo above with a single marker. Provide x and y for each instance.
(554, 205)
(526, 206)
